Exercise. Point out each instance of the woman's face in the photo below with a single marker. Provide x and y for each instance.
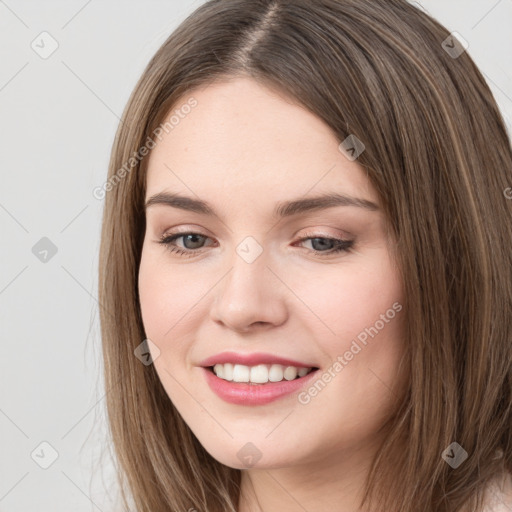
(260, 277)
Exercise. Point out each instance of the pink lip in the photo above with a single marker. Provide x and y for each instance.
(252, 360)
(241, 393)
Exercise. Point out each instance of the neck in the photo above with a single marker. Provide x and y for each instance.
(334, 482)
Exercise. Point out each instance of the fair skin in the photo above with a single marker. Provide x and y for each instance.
(243, 149)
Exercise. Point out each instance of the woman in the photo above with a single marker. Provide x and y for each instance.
(251, 367)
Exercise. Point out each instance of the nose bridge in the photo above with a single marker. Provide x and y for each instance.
(249, 292)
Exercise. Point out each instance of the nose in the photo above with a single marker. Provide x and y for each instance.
(250, 296)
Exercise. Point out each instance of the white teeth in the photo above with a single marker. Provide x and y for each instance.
(290, 373)
(219, 370)
(303, 371)
(240, 373)
(276, 373)
(228, 371)
(260, 374)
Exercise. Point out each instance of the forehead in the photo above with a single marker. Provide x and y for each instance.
(244, 139)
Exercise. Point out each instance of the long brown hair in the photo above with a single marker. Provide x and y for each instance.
(439, 156)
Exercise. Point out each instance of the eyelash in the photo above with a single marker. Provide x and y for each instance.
(341, 245)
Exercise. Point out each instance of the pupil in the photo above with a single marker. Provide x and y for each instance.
(323, 243)
(187, 237)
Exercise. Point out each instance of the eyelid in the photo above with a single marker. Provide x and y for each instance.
(310, 232)
(183, 229)
(343, 245)
(319, 233)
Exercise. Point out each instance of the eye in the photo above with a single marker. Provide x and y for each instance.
(189, 239)
(192, 244)
(339, 244)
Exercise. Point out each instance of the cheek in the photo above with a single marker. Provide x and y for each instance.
(155, 297)
(351, 298)
(167, 296)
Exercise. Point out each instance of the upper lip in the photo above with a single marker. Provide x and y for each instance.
(252, 360)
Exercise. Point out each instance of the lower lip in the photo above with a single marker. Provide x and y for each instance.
(242, 393)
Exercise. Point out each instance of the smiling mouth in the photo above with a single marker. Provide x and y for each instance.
(297, 377)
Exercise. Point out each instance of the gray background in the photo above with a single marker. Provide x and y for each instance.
(58, 116)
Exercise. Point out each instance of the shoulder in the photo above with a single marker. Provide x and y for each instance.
(498, 496)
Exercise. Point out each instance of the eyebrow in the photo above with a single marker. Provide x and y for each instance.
(282, 209)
